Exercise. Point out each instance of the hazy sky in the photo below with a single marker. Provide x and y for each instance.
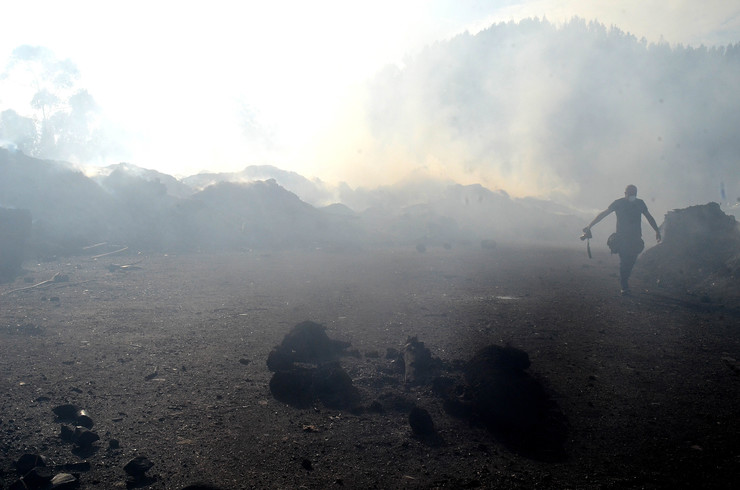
(222, 85)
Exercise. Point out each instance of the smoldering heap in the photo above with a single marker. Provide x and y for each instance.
(699, 254)
(306, 369)
(492, 390)
(498, 393)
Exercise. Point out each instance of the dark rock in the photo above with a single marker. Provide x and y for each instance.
(66, 412)
(84, 419)
(421, 422)
(84, 437)
(136, 470)
(114, 444)
(67, 433)
(419, 365)
(306, 464)
(306, 342)
(72, 413)
(38, 477)
(28, 461)
(244, 361)
(138, 466)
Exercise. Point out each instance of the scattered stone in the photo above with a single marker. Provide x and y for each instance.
(84, 437)
(419, 365)
(72, 413)
(28, 461)
(63, 481)
(38, 477)
(66, 411)
(137, 467)
(421, 422)
(113, 444)
(67, 434)
(244, 361)
(84, 420)
(306, 464)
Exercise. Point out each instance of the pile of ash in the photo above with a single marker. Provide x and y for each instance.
(700, 254)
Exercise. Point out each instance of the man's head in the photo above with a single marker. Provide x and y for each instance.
(630, 192)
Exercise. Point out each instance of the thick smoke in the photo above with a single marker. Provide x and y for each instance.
(571, 113)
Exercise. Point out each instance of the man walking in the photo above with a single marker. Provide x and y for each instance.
(627, 241)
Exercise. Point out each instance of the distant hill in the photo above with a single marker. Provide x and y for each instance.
(313, 192)
(126, 174)
(147, 210)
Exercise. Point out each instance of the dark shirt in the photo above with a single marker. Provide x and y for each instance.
(629, 216)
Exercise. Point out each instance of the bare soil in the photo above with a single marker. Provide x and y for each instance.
(168, 358)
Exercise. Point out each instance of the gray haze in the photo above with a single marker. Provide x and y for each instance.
(564, 116)
(571, 114)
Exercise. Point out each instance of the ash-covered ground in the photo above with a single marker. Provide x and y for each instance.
(167, 355)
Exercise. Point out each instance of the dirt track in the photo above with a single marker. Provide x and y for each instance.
(168, 358)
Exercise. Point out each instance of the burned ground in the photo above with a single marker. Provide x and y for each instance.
(169, 361)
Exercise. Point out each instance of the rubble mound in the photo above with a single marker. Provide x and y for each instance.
(306, 342)
(306, 369)
(501, 395)
(699, 254)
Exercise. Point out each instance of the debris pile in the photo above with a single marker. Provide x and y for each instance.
(306, 369)
(700, 253)
(498, 393)
(493, 389)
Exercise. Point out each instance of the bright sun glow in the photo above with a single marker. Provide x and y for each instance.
(222, 85)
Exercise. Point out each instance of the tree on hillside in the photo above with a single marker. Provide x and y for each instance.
(60, 118)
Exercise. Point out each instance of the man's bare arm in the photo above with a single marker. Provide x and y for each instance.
(598, 218)
(652, 222)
